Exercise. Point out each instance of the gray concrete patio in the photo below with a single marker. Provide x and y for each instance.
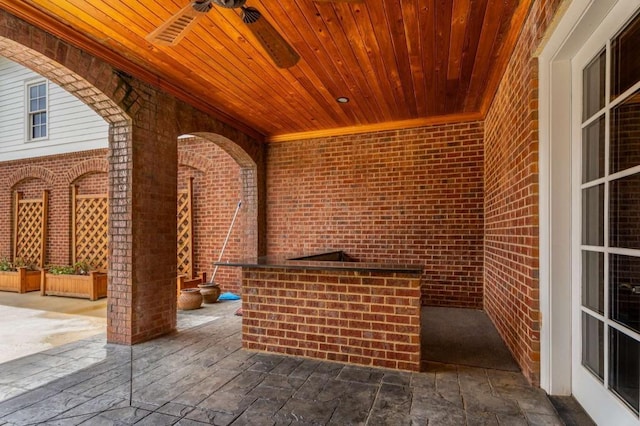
(200, 375)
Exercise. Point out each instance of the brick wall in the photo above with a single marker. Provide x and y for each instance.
(358, 317)
(93, 183)
(217, 188)
(411, 196)
(55, 174)
(511, 199)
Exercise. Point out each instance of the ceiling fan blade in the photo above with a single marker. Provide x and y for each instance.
(175, 28)
(281, 52)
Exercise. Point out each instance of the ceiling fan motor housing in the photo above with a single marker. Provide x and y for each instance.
(229, 4)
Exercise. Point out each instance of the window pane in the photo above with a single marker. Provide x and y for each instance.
(42, 90)
(624, 368)
(42, 104)
(624, 212)
(33, 105)
(593, 78)
(33, 92)
(593, 216)
(625, 134)
(624, 284)
(593, 345)
(625, 61)
(593, 150)
(593, 280)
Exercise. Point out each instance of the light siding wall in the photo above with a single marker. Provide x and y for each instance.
(73, 126)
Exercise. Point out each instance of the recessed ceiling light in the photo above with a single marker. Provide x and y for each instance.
(342, 100)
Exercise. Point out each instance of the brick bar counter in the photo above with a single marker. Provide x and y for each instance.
(360, 313)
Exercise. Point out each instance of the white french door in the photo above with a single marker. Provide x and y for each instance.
(606, 220)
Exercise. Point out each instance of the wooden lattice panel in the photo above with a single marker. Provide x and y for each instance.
(185, 231)
(90, 223)
(30, 229)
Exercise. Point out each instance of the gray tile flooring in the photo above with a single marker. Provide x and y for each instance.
(200, 375)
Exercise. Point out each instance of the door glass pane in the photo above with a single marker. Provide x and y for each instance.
(593, 280)
(625, 61)
(593, 150)
(625, 134)
(624, 368)
(593, 80)
(593, 345)
(624, 212)
(593, 216)
(624, 284)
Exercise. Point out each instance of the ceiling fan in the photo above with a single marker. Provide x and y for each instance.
(175, 28)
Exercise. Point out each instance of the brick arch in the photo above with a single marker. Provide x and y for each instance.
(54, 70)
(235, 151)
(254, 244)
(94, 165)
(193, 160)
(28, 172)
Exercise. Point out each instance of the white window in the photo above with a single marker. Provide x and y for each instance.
(37, 119)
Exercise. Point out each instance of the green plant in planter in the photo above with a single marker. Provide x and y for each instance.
(83, 267)
(21, 263)
(61, 269)
(6, 265)
(78, 268)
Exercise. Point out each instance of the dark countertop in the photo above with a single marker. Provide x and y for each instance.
(288, 262)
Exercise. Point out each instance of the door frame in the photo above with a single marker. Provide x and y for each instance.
(573, 25)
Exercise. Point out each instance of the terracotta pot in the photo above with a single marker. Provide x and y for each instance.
(210, 292)
(190, 298)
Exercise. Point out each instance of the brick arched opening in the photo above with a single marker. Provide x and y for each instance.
(145, 123)
(249, 194)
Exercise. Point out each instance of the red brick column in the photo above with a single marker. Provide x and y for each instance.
(143, 169)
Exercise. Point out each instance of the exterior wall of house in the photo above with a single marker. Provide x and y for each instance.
(511, 198)
(72, 125)
(413, 196)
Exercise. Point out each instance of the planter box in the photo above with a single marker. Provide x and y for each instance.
(92, 286)
(20, 281)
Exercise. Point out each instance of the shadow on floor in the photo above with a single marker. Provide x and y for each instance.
(463, 337)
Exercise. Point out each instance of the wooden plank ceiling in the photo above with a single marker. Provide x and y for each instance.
(400, 62)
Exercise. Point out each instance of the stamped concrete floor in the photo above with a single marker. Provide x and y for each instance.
(200, 375)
